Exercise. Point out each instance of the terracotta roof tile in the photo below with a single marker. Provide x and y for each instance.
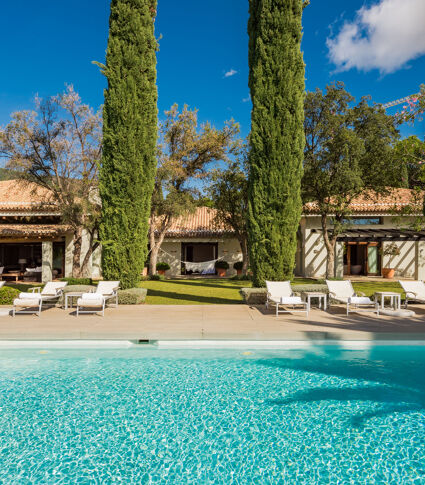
(32, 230)
(371, 203)
(24, 196)
(199, 224)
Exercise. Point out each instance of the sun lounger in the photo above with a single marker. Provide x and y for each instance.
(343, 292)
(280, 295)
(95, 302)
(32, 301)
(415, 291)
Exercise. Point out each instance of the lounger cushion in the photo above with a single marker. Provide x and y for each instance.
(29, 296)
(26, 302)
(287, 300)
(361, 300)
(90, 302)
(91, 296)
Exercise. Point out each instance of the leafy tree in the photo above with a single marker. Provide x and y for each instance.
(276, 81)
(58, 147)
(410, 152)
(185, 151)
(228, 190)
(129, 138)
(348, 151)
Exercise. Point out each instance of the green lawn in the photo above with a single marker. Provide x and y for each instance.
(369, 288)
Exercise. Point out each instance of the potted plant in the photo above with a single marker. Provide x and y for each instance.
(238, 267)
(390, 250)
(162, 267)
(221, 267)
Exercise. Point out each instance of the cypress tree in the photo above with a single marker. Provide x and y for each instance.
(276, 81)
(129, 139)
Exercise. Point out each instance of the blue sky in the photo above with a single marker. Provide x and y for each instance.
(45, 44)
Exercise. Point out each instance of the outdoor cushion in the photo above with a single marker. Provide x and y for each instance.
(29, 296)
(288, 300)
(416, 287)
(52, 287)
(107, 287)
(279, 289)
(27, 302)
(341, 289)
(91, 296)
(361, 300)
(90, 302)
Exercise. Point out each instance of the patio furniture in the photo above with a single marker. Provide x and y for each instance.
(32, 301)
(343, 292)
(71, 294)
(95, 302)
(280, 294)
(395, 299)
(308, 295)
(13, 275)
(2, 283)
(415, 291)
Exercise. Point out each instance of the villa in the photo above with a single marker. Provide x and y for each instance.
(35, 246)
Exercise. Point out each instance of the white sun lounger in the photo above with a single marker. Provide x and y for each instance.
(32, 301)
(415, 291)
(94, 302)
(280, 294)
(343, 292)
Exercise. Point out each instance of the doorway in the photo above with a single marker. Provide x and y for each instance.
(362, 258)
(198, 253)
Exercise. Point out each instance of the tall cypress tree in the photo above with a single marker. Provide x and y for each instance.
(129, 139)
(276, 81)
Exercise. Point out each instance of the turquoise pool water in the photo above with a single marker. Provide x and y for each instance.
(139, 416)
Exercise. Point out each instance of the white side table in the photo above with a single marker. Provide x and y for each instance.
(308, 295)
(395, 299)
(72, 294)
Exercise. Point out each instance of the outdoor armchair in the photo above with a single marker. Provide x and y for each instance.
(415, 291)
(280, 295)
(94, 302)
(343, 292)
(32, 300)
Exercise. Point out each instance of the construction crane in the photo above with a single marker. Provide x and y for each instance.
(399, 101)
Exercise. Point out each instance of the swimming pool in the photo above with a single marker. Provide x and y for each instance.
(147, 416)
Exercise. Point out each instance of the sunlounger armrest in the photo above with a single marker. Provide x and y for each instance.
(34, 289)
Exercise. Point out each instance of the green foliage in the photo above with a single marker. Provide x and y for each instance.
(162, 266)
(221, 264)
(156, 277)
(132, 296)
(276, 81)
(129, 139)
(7, 295)
(410, 154)
(77, 281)
(75, 287)
(238, 265)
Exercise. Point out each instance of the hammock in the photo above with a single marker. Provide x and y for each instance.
(206, 267)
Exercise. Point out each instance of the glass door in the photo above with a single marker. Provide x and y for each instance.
(373, 259)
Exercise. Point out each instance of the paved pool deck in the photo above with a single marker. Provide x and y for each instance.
(210, 322)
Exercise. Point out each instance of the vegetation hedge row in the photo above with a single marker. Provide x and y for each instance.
(7, 295)
(132, 296)
(78, 281)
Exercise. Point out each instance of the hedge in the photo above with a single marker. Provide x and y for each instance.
(258, 296)
(78, 281)
(7, 295)
(74, 288)
(132, 296)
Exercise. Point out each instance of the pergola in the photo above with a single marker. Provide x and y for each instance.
(381, 235)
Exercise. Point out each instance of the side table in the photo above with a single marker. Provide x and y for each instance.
(308, 295)
(395, 299)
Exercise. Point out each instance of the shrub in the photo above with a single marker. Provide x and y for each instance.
(132, 296)
(78, 281)
(156, 277)
(74, 288)
(7, 295)
(220, 264)
(162, 266)
(238, 265)
(242, 277)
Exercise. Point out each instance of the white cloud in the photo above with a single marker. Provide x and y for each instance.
(245, 100)
(384, 36)
(230, 73)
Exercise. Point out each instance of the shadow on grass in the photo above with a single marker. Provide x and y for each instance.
(169, 295)
(201, 283)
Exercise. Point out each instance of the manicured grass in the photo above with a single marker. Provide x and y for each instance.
(369, 288)
(194, 292)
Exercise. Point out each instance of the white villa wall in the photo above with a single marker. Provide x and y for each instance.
(228, 248)
(95, 260)
(406, 264)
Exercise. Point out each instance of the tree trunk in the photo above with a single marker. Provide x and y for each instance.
(245, 257)
(86, 261)
(330, 244)
(76, 255)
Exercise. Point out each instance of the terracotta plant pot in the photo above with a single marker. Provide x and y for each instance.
(388, 273)
(161, 272)
(221, 272)
(238, 272)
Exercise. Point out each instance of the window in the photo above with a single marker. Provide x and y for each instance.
(363, 221)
